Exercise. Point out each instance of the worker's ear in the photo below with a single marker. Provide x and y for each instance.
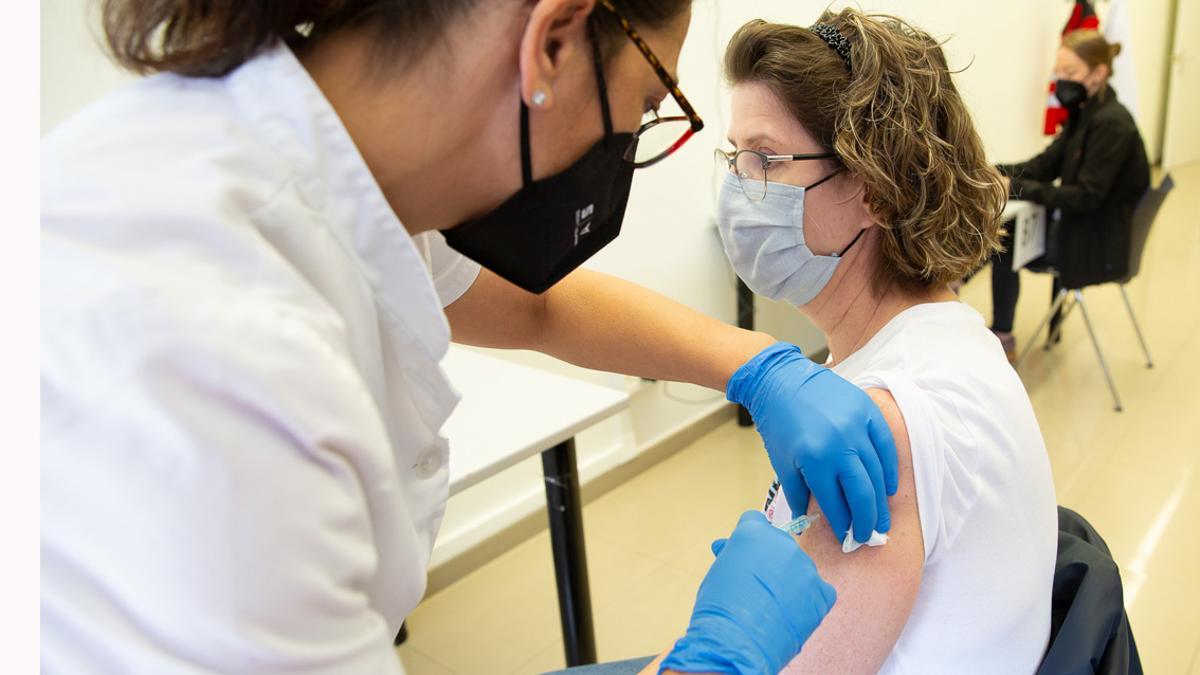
(555, 33)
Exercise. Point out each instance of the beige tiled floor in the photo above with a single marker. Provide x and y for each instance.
(1134, 474)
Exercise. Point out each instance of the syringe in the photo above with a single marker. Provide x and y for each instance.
(799, 525)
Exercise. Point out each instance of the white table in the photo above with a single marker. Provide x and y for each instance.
(1015, 206)
(1029, 230)
(508, 413)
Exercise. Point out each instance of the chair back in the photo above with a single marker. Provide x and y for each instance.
(1143, 217)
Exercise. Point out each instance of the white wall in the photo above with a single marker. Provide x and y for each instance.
(1181, 137)
(74, 69)
(1151, 25)
(668, 242)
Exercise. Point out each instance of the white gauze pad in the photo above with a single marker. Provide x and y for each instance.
(849, 544)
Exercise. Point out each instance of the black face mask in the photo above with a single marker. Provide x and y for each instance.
(551, 226)
(1070, 93)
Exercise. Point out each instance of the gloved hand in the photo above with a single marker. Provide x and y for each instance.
(758, 604)
(822, 433)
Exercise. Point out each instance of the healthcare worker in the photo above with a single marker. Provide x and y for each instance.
(252, 264)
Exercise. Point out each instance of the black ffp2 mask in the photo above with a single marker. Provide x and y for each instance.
(551, 226)
(1070, 93)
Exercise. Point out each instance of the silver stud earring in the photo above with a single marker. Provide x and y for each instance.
(539, 98)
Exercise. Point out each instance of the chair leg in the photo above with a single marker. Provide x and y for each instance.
(1112, 387)
(1054, 307)
(1052, 337)
(1136, 328)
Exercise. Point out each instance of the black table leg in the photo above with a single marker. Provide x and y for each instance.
(745, 319)
(570, 559)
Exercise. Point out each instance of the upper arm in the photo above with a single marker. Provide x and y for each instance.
(876, 586)
(496, 313)
(1108, 146)
(1104, 157)
(483, 309)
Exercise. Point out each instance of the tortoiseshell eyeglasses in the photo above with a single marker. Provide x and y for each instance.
(659, 136)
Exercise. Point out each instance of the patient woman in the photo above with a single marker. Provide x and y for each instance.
(857, 190)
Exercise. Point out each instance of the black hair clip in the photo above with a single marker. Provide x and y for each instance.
(834, 39)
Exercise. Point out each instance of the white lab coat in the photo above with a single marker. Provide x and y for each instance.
(242, 469)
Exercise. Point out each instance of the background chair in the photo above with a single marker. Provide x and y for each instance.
(1143, 218)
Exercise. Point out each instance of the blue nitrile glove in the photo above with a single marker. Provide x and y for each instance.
(822, 434)
(758, 604)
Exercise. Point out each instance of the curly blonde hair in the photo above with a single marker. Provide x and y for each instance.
(897, 122)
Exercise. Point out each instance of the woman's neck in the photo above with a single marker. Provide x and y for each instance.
(852, 309)
(434, 152)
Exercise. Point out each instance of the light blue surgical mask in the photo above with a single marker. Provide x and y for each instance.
(764, 241)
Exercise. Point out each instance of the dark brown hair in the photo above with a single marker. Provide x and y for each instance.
(897, 122)
(212, 37)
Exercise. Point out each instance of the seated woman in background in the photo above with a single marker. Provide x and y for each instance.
(1100, 161)
(858, 190)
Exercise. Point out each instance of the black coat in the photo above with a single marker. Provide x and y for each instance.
(1101, 162)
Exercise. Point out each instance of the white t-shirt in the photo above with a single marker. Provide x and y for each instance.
(985, 497)
(242, 468)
